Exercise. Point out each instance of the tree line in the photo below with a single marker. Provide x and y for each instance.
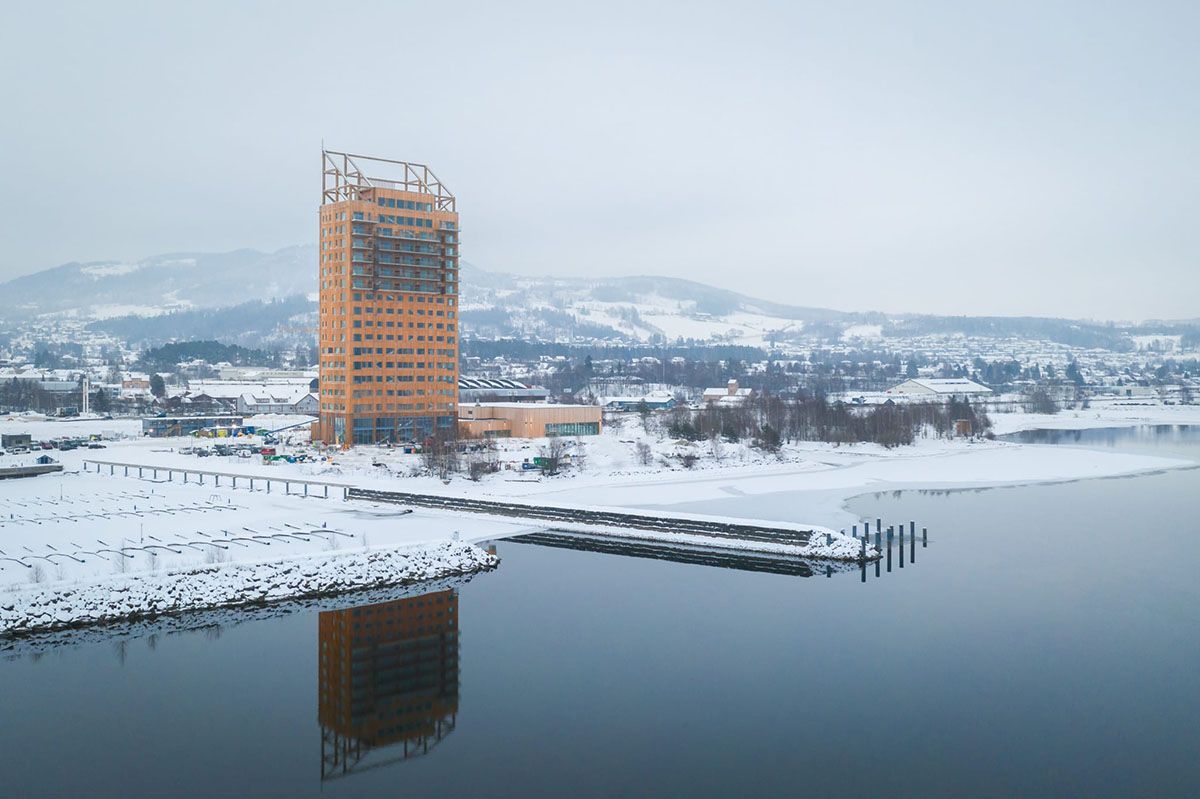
(769, 421)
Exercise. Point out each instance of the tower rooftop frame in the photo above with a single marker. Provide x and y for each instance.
(348, 176)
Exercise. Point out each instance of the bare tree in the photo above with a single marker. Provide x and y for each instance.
(440, 456)
(715, 447)
(551, 456)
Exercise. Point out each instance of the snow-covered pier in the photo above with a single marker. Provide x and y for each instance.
(16, 472)
(250, 480)
(686, 528)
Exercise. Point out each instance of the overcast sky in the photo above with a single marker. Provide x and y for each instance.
(1022, 158)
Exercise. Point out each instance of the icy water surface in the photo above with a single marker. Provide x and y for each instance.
(1045, 643)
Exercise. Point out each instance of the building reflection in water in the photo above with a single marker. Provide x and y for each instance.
(388, 681)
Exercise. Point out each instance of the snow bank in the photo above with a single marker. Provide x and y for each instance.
(820, 494)
(40, 610)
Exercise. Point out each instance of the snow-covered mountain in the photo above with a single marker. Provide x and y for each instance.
(247, 296)
(160, 284)
(177, 286)
(647, 309)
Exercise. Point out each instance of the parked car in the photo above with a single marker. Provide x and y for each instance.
(96, 445)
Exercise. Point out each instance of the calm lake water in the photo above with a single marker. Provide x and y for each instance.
(1046, 642)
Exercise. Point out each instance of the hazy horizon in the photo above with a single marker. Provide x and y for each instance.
(1015, 160)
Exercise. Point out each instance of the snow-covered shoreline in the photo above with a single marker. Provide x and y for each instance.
(215, 619)
(46, 609)
(1102, 413)
(189, 547)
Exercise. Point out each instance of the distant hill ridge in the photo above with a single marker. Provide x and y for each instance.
(251, 297)
(162, 283)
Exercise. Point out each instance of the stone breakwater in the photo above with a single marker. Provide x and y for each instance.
(40, 609)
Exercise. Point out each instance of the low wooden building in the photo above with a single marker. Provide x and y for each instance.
(527, 420)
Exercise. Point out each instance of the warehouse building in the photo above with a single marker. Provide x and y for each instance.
(160, 426)
(654, 401)
(937, 386)
(489, 389)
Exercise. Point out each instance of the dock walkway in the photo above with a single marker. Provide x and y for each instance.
(679, 524)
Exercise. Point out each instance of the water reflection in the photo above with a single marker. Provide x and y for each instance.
(702, 556)
(1157, 437)
(388, 681)
(886, 542)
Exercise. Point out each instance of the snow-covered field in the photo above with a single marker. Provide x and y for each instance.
(608, 470)
(82, 548)
(55, 521)
(821, 488)
(654, 314)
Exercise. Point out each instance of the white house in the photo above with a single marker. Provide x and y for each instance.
(939, 386)
(256, 403)
(308, 404)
